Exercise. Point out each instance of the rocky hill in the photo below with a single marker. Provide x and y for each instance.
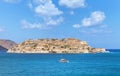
(6, 44)
(66, 45)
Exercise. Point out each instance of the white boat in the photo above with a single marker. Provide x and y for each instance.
(64, 60)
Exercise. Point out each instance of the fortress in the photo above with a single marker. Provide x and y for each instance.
(66, 45)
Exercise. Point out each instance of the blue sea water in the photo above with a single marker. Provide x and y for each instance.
(100, 64)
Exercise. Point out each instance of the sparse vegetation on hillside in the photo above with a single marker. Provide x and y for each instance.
(66, 45)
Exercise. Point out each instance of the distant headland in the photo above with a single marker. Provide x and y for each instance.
(66, 45)
(6, 44)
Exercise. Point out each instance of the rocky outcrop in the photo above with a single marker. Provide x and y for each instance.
(7, 44)
(66, 45)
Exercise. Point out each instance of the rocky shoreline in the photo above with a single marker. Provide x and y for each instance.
(66, 45)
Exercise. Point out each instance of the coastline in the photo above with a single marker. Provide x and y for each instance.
(106, 51)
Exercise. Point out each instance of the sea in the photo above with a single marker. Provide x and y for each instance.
(94, 64)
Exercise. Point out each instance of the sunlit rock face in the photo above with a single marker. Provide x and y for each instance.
(66, 45)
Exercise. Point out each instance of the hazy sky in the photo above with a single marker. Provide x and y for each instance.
(95, 21)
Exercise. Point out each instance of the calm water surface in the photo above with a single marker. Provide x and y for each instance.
(107, 64)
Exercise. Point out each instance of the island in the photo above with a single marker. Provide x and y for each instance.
(66, 45)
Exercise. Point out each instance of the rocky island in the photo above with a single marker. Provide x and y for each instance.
(66, 45)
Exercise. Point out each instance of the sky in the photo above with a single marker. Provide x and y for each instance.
(95, 21)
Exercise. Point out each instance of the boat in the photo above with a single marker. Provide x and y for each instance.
(64, 60)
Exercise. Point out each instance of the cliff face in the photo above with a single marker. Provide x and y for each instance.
(67, 45)
(7, 44)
